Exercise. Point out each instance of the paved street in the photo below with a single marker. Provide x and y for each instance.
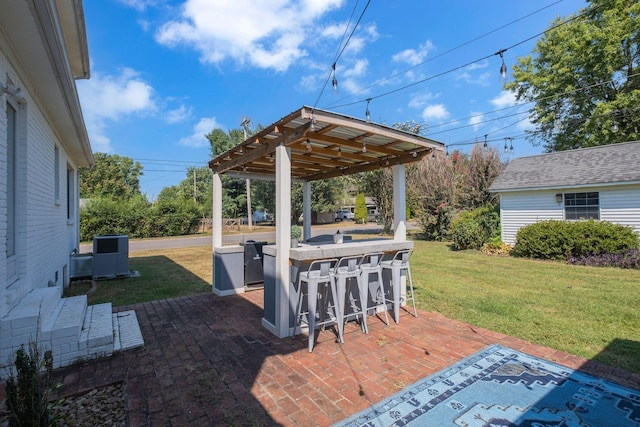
(234, 238)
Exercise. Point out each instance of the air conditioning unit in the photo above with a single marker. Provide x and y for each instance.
(110, 256)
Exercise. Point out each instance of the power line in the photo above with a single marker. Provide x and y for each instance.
(500, 52)
(399, 73)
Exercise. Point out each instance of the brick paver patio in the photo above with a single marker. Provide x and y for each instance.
(208, 361)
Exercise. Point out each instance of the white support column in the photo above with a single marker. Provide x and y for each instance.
(283, 240)
(399, 203)
(216, 228)
(306, 203)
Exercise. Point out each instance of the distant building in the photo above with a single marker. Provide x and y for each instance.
(601, 183)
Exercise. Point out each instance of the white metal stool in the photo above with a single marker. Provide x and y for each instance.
(371, 265)
(399, 263)
(319, 273)
(348, 268)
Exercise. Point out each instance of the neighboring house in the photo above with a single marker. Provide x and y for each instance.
(43, 142)
(601, 183)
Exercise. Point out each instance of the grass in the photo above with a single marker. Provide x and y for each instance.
(588, 311)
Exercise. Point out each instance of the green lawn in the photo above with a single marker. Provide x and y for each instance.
(587, 311)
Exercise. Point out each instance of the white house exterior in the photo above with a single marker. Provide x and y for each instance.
(43, 142)
(601, 183)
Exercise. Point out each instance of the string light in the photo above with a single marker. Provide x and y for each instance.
(339, 151)
(503, 67)
(364, 147)
(414, 153)
(485, 146)
(309, 145)
(366, 111)
(334, 82)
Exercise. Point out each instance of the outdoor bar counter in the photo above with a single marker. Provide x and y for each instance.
(282, 303)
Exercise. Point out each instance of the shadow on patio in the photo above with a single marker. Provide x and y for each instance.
(208, 361)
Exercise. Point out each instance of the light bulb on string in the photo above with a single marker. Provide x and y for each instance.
(485, 146)
(366, 111)
(339, 151)
(503, 67)
(334, 81)
(364, 147)
(308, 145)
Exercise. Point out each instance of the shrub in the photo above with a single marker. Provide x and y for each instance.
(29, 387)
(360, 214)
(496, 247)
(435, 225)
(474, 228)
(559, 240)
(624, 259)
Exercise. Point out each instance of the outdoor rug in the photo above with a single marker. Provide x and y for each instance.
(499, 386)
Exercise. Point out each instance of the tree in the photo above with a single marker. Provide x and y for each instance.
(111, 176)
(324, 196)
(360, 214)
(483, 167)
(583, 78)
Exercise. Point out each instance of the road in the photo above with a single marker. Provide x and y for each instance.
(235, 238)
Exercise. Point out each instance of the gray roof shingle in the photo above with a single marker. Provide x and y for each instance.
(606, 164)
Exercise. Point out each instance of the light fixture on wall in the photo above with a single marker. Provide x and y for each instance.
(559, 197)
(12, 90)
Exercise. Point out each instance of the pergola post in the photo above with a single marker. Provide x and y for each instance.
(399, 203)
(283, 239)
(306, 203)
(216, 226)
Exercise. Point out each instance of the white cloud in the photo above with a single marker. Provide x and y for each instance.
(420, 100)
(264, 34)
(107, 98)
(435, 112)
(197, 139)
(475, 120)
(505, 99)
(138, 4)
(180, 114)
(413, 56)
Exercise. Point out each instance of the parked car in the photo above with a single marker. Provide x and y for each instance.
(343, 214)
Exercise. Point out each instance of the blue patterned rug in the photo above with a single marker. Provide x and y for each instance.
(499, 386)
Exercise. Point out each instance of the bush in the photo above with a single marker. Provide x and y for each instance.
(559, 240)
(360, 214)
(496, 247)
(29, 388)
(435, 225)
(472, 229)
(625, 259)
(135, 217)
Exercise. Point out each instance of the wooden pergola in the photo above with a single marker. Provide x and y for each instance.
(310, 145)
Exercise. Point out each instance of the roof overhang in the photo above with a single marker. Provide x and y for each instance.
(324, 145)
(47, 46)
(564, 187)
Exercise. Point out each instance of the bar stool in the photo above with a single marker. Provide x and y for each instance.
(319, 273)
(396, 265)
(348, 268)
(371, 265)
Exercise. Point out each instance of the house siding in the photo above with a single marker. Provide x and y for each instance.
(44, 236)
(618, 204)
(522, 208)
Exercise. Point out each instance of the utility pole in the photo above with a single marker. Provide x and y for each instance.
(246, 124)
(194, 186)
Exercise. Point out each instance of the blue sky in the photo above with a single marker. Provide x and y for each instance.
(166, 72)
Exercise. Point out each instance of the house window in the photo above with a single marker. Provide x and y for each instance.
(56, 173)
(11, 180)
(71, 188)
(581, 206)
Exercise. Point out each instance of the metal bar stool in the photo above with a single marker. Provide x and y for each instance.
(319, 273)
(348, 268)
(397, 264)
(371, 265)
